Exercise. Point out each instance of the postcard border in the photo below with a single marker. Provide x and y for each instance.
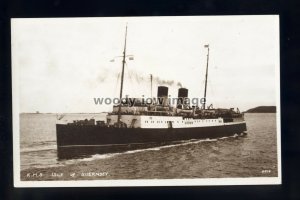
(143, 182)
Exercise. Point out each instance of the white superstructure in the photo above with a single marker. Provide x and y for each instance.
(144, 121)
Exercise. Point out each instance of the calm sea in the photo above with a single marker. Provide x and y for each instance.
(254, 154)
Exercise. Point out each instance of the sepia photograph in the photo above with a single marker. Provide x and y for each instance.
(146, 101)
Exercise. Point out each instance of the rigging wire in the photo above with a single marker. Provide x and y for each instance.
(117, 83)
(130, 74)
(211, 88)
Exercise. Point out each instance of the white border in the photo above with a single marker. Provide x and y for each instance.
(152, 182)
(16, 115)
(143, 182)
(278, 102)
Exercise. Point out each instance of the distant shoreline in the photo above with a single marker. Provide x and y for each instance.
(262, 109)
(60, 113)
(259, 109)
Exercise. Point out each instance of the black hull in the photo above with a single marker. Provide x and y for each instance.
(77, 141)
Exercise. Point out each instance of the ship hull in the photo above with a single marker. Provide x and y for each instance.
(75, 141)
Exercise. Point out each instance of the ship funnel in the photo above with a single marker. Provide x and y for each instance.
(162, 95)
(182, 94)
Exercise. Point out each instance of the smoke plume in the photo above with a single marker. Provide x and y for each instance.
(136, 76)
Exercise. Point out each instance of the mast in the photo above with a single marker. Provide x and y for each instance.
(206, 74)
(151, 84)
(122, 77)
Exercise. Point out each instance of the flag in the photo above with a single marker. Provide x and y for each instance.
(131, 58)
(206, 46)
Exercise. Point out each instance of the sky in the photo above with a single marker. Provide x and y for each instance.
(61, 64)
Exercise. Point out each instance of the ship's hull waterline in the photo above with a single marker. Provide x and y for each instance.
(75, 141)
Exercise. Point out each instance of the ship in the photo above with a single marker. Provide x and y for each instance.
(147, 125)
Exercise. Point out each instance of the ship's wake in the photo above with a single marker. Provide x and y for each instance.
(156, 148)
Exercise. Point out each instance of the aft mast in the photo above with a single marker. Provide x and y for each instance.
(206, 74)
(151, 84)
(122, 78)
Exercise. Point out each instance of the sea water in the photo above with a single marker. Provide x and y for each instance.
(251, 155)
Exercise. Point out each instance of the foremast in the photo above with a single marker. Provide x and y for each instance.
(206, 74)
(122, 78)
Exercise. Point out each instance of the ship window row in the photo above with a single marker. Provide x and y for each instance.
(159, 122)
(207, 120)
(187, 122)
